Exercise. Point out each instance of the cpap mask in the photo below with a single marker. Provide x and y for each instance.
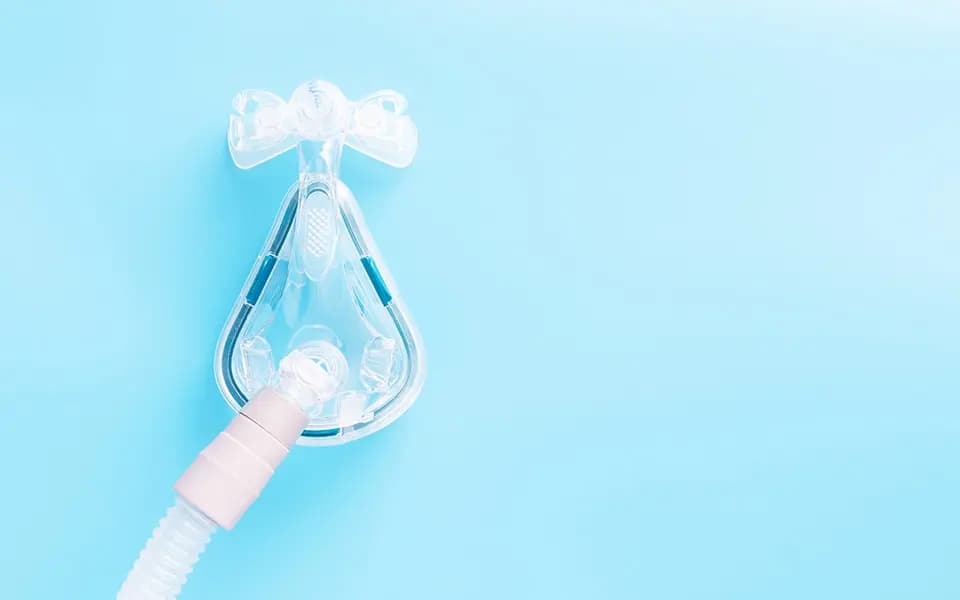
(318, 349)
(319, 284)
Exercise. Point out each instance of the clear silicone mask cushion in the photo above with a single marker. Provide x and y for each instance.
(319, 285)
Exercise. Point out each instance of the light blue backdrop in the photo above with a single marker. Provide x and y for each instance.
(687, 278)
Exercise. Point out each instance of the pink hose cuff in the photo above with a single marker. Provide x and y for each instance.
(230, 473)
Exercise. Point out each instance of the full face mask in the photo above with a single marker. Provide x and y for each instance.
(319, 285)
(318, 349)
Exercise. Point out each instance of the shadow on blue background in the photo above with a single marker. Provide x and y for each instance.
(687, 280)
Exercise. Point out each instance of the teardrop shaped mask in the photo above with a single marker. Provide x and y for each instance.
(319, 285)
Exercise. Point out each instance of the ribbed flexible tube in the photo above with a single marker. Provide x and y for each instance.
(169, 556)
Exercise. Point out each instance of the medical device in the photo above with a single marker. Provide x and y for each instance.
(319, 348)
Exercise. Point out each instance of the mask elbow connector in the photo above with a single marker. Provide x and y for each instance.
(230, 473)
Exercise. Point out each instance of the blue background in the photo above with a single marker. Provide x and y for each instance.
(687, 278)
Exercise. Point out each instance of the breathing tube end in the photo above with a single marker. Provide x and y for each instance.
(228, 475)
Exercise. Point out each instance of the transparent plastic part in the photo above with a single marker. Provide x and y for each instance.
(319, 285)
